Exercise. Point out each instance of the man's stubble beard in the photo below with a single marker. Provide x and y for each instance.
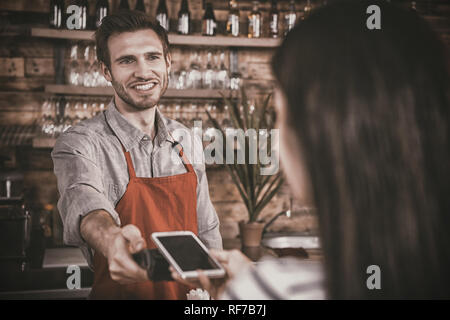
(122, 93)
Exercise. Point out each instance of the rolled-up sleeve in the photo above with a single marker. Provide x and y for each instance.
(80, 184)
(208, 221)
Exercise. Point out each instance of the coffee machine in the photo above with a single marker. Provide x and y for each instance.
(15, 223)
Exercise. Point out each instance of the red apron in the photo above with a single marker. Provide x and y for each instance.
(153, 205)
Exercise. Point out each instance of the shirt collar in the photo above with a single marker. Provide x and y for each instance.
(128, 135)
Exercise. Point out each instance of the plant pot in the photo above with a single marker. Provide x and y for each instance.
(251, 233)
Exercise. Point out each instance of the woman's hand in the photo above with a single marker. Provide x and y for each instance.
(122, 268)
(233, 262)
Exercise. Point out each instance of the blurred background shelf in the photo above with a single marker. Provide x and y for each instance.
(108, 91)
(62, 34)
(43, 143)
(78, 90)
(174, 39)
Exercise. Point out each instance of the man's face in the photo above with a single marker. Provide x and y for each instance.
(139, 70)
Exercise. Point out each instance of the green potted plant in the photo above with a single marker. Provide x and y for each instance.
(255, 189)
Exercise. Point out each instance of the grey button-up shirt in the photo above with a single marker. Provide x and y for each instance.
(92, 174)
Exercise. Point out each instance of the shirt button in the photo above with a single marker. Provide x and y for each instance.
(145, 138)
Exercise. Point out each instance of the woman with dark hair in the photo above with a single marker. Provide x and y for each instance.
(364, 120)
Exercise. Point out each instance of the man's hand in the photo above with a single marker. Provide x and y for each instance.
(117, 244)
(122, 267)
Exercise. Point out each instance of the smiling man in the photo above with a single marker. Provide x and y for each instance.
(116, 176)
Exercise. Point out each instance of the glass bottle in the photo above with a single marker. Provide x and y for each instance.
(101, 11)
(56, 13)
(233, 19)
(216, 69)
(307, 9)
(254, 21)
(162, 16)
(184, 18)
(235, 75)
(140, 6)
(84, 7)
(209, 21)
(123, 5)
(290, 18)
(274, 16)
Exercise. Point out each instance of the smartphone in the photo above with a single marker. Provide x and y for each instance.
(187, 254)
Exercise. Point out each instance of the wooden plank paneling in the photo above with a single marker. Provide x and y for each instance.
(25, 84)
(26, 47)
(41, 67)
(25, 5)
(255, 55)
(17, 117)
(12, 67)
(20, 101)
(20, 108)
(260, 71)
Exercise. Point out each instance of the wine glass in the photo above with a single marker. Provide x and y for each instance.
(73, 71)
(46, 122)
(209, 74)
(194, 75)
(222, 78)
(86, 66)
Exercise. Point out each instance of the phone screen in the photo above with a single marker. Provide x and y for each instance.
(187, 253)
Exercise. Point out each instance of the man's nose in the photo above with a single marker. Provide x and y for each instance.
(143, 70)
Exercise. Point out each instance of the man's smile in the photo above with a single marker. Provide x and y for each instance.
(143, 87)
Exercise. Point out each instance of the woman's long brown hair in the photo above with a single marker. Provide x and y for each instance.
(371, 111)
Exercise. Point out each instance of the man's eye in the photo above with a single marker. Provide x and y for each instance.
(126, 61)
(151, 58)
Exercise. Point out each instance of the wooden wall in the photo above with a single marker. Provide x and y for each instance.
(27, 65)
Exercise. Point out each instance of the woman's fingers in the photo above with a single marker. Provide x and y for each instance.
(233, 261)
(204, 281)
(176, 276)
(221, 255)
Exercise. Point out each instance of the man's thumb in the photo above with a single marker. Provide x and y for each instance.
(134, 237)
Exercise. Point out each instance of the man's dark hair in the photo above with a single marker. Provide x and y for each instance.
(370, 109)
(126, 21)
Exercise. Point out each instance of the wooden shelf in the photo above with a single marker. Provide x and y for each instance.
(108, 91)
(221, 41)
(198, 93)
(43, 143)
(62, 34)
(174, 39)
(78, 90)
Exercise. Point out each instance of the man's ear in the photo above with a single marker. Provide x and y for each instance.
(168, 62)
(105, 71)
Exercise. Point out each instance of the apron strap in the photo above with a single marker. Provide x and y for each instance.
(131, 171)
(177, 145)
(182, 155)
